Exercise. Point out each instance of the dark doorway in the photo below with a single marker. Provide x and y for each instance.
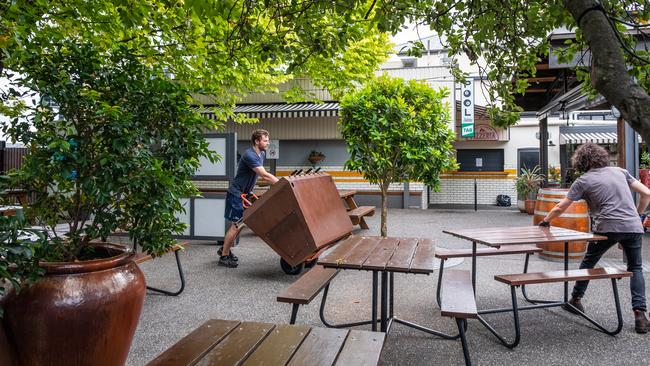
(527, 158)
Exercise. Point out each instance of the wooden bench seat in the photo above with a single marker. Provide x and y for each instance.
(458, 302)
(562, 276)
(305, 289)
(356, 215)
(144, 257)
(445, 253)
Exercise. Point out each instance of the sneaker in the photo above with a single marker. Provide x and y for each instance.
(640, 322)
(575, 301)
(231, 255)
(227, 261)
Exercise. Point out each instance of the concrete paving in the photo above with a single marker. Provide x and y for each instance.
(549, 336)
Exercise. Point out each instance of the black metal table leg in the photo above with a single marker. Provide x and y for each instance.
(439, 287)
(384, 300)
(374, 300)
(344, 325)
(566, 268)
(462, 325)
(474, 267)
(391, 293)
(180, 273)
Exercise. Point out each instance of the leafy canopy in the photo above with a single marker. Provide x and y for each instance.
(112, 146)
(224, 49)
(397, 131)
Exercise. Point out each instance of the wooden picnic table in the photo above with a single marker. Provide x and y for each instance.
(228, 342)
(508, 236)
(384, 256)
(357, 212)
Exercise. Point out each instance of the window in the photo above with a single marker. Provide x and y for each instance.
(480, 160)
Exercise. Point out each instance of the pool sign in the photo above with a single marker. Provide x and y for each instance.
(467, 109)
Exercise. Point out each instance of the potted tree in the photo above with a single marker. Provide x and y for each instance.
(113, 144)
(397, 131)
(528, 182)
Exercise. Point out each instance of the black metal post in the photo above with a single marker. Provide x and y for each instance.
(475, 196)
(374, 301)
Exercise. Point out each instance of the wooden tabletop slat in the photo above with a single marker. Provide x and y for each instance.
(424, 257)
(557, 239)
(320, 347)
(279, 346)
(359, 255)
(381, 254)
(361, 349)
(196, 344)
(507, 229)
(240, 343)
(340, 251)
(523, 235)
(403, 256)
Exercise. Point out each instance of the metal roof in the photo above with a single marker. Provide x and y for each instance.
(284, 110)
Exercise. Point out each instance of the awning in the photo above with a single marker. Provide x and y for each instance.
(597, 134)
(284, 110)
(581, 138)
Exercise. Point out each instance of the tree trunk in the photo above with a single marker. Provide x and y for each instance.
(608, 67)
(384, 209)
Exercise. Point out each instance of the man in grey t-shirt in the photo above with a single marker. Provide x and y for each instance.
(608, 192)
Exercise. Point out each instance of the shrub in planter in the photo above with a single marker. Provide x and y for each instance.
(527, 184)
(113, 144)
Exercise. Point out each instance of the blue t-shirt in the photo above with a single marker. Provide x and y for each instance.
(246, 177)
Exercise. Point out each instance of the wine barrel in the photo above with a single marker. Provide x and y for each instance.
(576, 217)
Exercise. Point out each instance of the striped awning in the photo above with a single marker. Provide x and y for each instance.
(284, 110)
(594, 137)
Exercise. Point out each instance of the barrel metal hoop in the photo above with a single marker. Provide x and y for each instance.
(565, 215)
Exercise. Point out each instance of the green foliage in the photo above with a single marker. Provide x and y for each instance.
(222, 48)
(112, 146)
(18, 253)
(397, 131)
(645, 160)
(554, 173)
(529, 181)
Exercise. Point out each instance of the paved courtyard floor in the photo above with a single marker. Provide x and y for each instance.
(549, 336)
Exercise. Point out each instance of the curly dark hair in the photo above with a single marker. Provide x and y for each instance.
(589, 156)
(257, 134)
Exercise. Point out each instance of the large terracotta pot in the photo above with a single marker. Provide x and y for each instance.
(79, 313)
(576, 217)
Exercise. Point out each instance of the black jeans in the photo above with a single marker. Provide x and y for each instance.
(631, 243)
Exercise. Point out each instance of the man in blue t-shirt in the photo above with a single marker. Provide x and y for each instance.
(249, 168)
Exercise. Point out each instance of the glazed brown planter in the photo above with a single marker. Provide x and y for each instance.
(79, 313)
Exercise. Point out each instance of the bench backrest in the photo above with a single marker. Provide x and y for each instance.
(299, 215)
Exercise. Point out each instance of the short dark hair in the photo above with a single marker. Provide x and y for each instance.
(257, 134)
(589, 156)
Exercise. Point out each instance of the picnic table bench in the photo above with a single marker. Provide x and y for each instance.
(141, 257)
(355, 212)
(509, 236)
(228, 342)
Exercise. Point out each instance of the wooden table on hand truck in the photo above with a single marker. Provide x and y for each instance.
(496, 237)
(385, 256)
(228, 342)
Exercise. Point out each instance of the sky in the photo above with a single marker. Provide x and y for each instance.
(410, 33)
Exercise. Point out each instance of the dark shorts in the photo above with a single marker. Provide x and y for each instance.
(234, 208)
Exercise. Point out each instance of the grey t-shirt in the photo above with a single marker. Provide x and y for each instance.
(607, 192)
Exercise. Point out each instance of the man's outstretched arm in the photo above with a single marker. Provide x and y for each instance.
(262, 173)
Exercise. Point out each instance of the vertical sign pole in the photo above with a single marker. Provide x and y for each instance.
(467, 109)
